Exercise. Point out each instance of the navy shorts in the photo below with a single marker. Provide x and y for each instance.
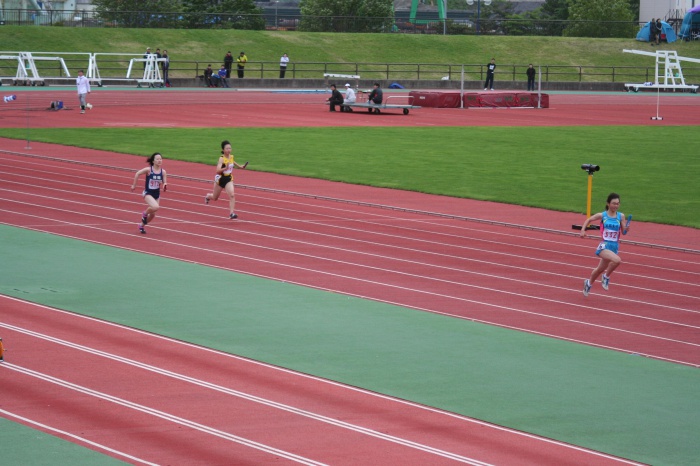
(224, 180)
(155, 193)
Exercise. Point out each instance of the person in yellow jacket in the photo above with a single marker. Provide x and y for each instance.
(240, 63)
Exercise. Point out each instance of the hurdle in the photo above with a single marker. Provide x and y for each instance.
(347, 77)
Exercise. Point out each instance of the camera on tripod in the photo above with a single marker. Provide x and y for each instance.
(590, 168)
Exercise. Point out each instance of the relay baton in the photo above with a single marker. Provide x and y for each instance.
(245, 165)
(629, 220)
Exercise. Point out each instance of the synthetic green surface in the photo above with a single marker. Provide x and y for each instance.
(21, 445)
(654, 169)
(626, 405)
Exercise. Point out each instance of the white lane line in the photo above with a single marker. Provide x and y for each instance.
(290, 372)
(371, 282)
(162, 415)
(63, 433)
(427, 278)
(245, 396)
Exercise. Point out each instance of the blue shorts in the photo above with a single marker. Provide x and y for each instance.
(611, 246)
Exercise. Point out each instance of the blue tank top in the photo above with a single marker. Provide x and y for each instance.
(610, 227)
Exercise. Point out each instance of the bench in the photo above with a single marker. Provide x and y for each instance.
(377, 108)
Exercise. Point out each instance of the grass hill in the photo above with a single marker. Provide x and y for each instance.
(268, 46)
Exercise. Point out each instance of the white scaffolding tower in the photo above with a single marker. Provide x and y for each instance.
(151, 70)
(668, 72)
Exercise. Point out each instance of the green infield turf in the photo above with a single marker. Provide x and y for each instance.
(532, 166)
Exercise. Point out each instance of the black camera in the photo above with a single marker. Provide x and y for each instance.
(590, 168)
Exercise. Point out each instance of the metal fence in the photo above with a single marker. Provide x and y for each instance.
(115, 68)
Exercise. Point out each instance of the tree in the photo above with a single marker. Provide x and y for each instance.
(224, 14)
(138, 13)
(492, 16)
(552, 17)
(346, 15)
(600, 18)
(555, 9)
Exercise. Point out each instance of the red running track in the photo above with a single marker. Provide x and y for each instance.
(518, 278)
(242, 109)
(523, 279)
(213, 408)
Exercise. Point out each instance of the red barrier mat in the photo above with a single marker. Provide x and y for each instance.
(424, 98)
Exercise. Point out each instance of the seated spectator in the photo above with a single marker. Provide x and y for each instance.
(349, 97)
(335, 99)
(222, 76)
(376, 96)
(207, 77)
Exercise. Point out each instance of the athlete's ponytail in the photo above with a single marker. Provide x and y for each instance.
(152, 158)
(611, 196)
(223, 144)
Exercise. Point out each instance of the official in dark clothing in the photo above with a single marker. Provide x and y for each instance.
(490, 69)
(335, 99)
(376, 96)
(228, 63)
(530, 78)
(208, 72)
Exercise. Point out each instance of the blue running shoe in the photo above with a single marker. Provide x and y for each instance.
(586, 287)
(142, 229)
(605, 281)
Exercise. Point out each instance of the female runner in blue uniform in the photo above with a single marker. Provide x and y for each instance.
(155, 179)
(612, 224)
(224, 178)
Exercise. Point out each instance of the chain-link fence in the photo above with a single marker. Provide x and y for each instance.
(272, 19)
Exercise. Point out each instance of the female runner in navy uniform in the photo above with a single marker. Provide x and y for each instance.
(155, 178)
(224, 178)
(612, 224)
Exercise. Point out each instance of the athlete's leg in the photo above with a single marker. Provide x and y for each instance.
(613, 261)
(231, 197)
(602, 265)
(214, 195)
(152, 208)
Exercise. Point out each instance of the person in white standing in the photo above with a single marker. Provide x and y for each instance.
(83, 85)
(284, 61)
(350, 97)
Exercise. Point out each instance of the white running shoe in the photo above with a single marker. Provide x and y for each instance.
(605, 281)
(586, 287)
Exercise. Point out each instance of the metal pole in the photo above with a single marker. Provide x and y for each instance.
(590, 190)
(444, 17)
(461, 90)
(478, 15)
